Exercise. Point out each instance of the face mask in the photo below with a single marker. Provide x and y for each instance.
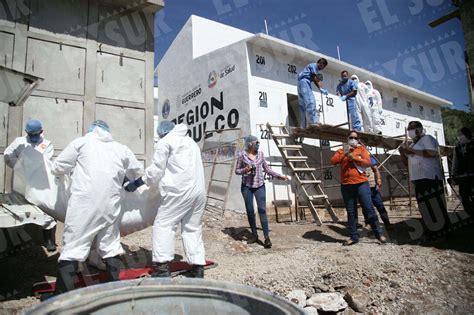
(344, 79)
(463, 139)
(412, 133)
(34, 138)
(352, 142)
(257, 146)
(356, 81)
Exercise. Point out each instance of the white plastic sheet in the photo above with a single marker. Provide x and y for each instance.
(33, 179)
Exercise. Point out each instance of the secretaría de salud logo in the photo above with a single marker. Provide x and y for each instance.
(212, 79)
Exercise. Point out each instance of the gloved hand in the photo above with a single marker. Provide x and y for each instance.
(324, 91)
(132, 186)
(343, 98)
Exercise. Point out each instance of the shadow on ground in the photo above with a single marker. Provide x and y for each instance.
(238, 233)
(19, 271)
(411, 232)
(320, 236)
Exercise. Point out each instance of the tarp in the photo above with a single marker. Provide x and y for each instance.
(33, 179)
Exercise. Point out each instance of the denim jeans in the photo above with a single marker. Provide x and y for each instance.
(351, 193)
(248, 193)
(378, 203)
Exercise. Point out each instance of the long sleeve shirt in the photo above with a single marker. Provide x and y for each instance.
(260, 166)
(19, 145)
(352, 170)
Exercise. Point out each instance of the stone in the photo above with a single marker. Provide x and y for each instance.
(327, 302)
(391, 297)
(347, 311)
(321, 287)
(357, 299)
(311, 310)
(298, 297)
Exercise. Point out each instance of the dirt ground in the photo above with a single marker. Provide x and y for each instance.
(403, 276)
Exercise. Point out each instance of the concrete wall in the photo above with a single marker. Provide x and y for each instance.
(210, 95)
(96, 59)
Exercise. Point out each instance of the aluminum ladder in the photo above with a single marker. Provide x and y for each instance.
(218, 175)
(305, 176)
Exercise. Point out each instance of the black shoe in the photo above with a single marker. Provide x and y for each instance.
(197, 271)
(67, 274)
(162, 270)
(267, 243)
(252, 239)
(349, 243)
(48, 238)
(113, 267)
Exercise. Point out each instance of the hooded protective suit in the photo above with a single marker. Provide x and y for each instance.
(98, 165)
(177, 168)
(29, 154)
(375, 101)
(362, 103)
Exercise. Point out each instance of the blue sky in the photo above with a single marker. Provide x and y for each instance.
(388, 37)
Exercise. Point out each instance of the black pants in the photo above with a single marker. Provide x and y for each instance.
(432, 204)
(467, 195)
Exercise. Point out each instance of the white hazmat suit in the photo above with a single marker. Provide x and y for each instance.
(98, 165)
(362, 103)
(177, 168)
(32, 155)
(375, 101)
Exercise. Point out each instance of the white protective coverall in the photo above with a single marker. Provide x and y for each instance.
(27, 156)
(362, 103)
(375, 101)
(177, 168)
(98, 165)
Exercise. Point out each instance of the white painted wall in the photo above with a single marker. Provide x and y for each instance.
(209, 35)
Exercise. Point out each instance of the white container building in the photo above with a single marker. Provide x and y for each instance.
(215, 76)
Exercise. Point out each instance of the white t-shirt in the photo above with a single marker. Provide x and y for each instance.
(422, 167)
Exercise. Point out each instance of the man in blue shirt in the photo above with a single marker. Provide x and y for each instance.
(306, 99)
(347, 90)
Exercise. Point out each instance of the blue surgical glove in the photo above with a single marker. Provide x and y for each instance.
(343, 98)
(324, 91)
(132, 186)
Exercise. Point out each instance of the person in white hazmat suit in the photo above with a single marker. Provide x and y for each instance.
(31, 149)
(362, 103)
(98, 165)
(375, 102)
(177, 168)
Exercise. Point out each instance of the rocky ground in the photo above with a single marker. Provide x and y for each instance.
(305, 264)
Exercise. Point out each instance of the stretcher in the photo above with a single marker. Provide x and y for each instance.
(176, 268)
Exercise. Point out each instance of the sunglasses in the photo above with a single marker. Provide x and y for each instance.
(353, 138)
